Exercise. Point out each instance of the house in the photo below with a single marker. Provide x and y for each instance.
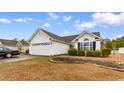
(46, 43)
(121, 50)
(22, 45)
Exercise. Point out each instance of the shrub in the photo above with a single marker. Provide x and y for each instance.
(89, 53)
(27, 52)
(106, 52)
(97, 53)
(72, 51)
(81, 53)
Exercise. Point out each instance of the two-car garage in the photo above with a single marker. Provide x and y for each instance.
(40, 49)
(47, 44)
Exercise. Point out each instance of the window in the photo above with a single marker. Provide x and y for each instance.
(86, 45)
(1, 49)
(86, 39)
(6, 49)
(42, 44)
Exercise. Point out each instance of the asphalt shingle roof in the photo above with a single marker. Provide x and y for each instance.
(65, 38)
(53, 35)
(12, 42)
(69, 38)
(8, 42)
(25, 43)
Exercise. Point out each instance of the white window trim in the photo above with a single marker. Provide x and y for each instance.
(82, 47)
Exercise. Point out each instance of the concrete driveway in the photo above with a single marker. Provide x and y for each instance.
(16, 58)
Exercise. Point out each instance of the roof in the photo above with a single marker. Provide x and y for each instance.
(54, 36)
(25, 43)
(12, 42)
(66, 38)
(96, 33)
(8, 42)
(61, 38)
(69, 38)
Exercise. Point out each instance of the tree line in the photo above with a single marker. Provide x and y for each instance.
(114, 44)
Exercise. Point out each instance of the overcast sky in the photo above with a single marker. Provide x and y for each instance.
(22, 24)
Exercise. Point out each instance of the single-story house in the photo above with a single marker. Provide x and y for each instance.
(22, 45)
(46, 43)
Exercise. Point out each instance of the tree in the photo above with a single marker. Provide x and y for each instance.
(23, 40)
(114, 44)
(16, 39)
(108, 44)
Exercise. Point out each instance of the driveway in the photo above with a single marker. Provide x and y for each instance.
(16, 58)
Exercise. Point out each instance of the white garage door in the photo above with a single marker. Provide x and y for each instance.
(40, 49)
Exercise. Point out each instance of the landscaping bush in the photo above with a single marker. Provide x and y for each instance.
(81, 53)
(27, 52)
(72, 51)
(106, 52)
(89, 53)
(97, 53)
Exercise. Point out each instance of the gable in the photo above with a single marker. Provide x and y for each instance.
(91, 36)
(40, 37)
(86, 36)
(45, 36)
(24, 43)
(19, 44)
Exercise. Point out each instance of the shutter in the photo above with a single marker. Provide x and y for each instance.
(78, 45)
(94, 45)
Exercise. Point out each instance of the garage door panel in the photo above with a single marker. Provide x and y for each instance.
(40, 50)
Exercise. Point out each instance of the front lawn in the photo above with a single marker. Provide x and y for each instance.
(41, 69)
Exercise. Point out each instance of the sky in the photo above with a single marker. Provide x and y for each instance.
(21, 25)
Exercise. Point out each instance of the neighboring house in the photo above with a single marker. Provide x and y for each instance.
(22, 46)
(121, 50)
(45, 43)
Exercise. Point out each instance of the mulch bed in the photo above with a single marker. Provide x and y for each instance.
(82, 61)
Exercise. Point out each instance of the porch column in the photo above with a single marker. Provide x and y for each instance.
(75, 45)
(98, 45)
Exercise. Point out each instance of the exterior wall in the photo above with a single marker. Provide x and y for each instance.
(40, 37)
(75, 45)
(0, 44)
(90, 37)
(40, 49)
(21, 47)
(59, 48)
(98, 45)
(121, 50)
(114, 52)
(24, 48)
(9, 47)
